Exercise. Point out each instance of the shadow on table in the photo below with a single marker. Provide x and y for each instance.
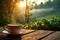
(12, 37)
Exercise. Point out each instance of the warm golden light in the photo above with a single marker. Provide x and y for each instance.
(22, 4)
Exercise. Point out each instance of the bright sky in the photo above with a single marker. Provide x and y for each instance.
(23, 3)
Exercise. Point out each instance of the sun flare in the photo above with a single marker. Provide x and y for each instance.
(22, 4)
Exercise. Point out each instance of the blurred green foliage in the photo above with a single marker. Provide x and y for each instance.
(51, 24)
(3, 13)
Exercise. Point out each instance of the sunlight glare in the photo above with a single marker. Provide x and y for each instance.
(22, 4)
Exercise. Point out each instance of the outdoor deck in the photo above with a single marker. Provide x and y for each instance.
(38, 35)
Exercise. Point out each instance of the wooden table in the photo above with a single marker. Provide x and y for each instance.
(6, 36)
(32, 34)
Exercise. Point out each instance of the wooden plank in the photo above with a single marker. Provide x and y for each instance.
(54, 36)
(46, 35)
(36, 35)
(26, 31)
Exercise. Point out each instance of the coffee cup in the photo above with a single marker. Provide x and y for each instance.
(13, 28)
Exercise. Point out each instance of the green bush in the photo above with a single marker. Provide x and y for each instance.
(51, 24)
